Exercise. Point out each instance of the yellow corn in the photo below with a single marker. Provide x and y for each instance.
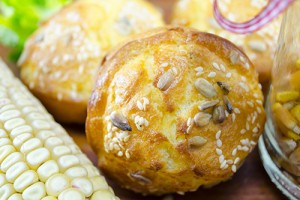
(287, 96)
(296, 112)
(298, 63)
(285, 119)
(295, 80)
(38, 159)
(292, 135)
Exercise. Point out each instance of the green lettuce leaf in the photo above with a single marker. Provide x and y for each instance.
(19, 19)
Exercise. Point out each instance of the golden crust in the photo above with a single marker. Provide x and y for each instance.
(162, 154)
(61, 59)
(259, 46)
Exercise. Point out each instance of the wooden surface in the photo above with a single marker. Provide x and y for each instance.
(250, 182)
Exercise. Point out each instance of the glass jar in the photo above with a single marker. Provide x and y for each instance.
(280, 144)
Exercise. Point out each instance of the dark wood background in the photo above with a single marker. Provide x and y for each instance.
(250, 183)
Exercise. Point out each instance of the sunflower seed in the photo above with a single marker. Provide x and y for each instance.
(219, 114)
(196, 141)
(205, 88)
(227, 104)
(165, 80)
(119, 121)
(202, 119)
(224, 86)
(208, 104)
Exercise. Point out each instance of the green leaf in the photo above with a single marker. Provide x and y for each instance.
(19, 19)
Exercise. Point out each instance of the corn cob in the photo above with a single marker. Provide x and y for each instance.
(38, 159)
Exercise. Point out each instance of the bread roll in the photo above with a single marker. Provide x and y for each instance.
(173, 110)
(61, 59)
(259, 46)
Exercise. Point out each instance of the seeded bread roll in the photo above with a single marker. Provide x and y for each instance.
(174, 110)
(61, 59)
(259, 46)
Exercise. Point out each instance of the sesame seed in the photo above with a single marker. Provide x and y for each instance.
(230, 162)
(244, 86)
(258, 110)
(146, 100)
(212, 74)
(236, 161)
(223, 68)
(237, 111)
(219, 151)
(228, 75)
(140, 105)
(216, 66)
(234, 151)
(199, 69)
(120, 153)
(233, 117)
(255, 95)
(249, 118)
(233, 168)
(221, 158)
(245, 141)
(218, 134)
(259, 102)
(247, 126)
(219, 143)
(245, 148)
(254, 118)
(243, 78)
(250, 104)
(164, 64)
(226, 113)
(247, 66)
(259, 85)
(127, 154)
(189, 121)
(255, 130)
(223, 164)
(239, 147)
(243, 131)
(252, 143)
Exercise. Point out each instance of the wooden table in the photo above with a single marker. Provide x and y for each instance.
(250, 183)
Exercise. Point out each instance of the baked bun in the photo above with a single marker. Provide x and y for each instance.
(259, 46)
(173, 110)
(61, 59)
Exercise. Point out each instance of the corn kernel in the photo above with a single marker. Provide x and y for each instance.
(298, 63)
(292, 135)
(295, 80)
(296, 112)
(287, 96)
(283, 116)
(37, 156)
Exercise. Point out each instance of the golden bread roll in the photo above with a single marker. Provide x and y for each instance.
(61, 59)
(173, 110)
(259, 46)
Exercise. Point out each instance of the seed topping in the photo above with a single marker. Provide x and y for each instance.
(202, 119)
(219, 114)
(119, 121)
(205, 88)
(224, 86)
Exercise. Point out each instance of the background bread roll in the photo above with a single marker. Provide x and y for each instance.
(259, 46)
(157, 118)
(61, 59)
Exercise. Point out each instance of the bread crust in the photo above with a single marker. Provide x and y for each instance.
(61, 59)
(259, 46)
(162, 154)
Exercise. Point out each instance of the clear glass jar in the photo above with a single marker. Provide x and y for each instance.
(280, 144)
